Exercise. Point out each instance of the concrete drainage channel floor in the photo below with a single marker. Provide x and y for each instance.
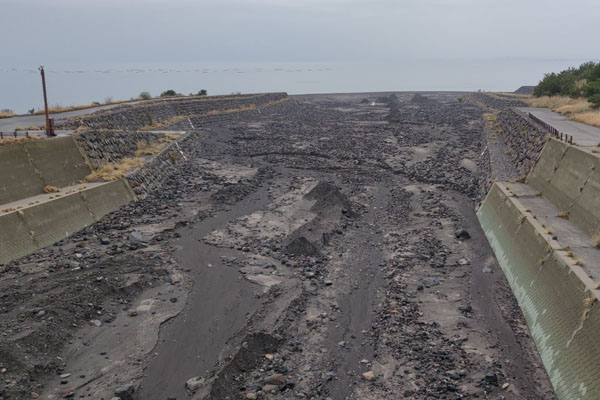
(305, 252)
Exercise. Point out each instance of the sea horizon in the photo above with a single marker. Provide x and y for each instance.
(73, 84)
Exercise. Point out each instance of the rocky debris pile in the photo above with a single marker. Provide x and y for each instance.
(88, 278)
(387, 307)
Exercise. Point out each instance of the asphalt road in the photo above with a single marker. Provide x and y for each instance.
(583, 135)
(8, 125)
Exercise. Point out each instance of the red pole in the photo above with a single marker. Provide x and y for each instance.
(48, 127)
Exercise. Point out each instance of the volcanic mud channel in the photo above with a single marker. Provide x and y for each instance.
(306, 253)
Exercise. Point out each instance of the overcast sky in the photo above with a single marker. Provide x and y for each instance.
(97, 49)
(92, 31)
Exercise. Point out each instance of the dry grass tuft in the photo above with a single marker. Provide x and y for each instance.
(9, 141)
(30, 128)
(148, 149)
(51, 189)
(58, 108)
(563, 215)
(114, 171)
(166, 122)
(7, 114)
(579, 110)
(596, 240)
(232, 110)
(588, 117)
(168, 138)
(555, 103)
(588, 301)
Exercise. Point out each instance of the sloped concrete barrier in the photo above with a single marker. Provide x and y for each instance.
(557, 292)
(31, 227)
(26, 168)
(569, 177)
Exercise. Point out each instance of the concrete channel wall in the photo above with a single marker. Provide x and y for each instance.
(32, 227)
(557, 292)
(569, 177)
(26, 168)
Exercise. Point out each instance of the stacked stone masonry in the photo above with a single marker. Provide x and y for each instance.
(524, 138)
(167, 114)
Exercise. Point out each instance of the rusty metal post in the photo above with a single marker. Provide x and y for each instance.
(49, 128)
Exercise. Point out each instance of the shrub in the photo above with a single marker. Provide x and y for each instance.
(591, 91)
(202, 92)
(168, 93)
(108, 100)
(145, 96)
(570, 82)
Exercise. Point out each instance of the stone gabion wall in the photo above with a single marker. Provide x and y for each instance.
(109, 146)
(158, 115)
(524, 138)
(158, 168)
(484, 168)
(494, 101)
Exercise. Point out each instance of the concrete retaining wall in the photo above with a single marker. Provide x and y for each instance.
(28, 167)
(557, 297)
(28, 229)
(569, 177)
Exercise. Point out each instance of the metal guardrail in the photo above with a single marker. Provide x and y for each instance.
(553, 131)
(17, 134)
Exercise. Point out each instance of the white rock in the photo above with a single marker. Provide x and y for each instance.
(194, 383)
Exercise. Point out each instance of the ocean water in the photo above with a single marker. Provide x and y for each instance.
(20, 86)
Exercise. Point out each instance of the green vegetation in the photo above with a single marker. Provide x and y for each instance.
(169, 93)
(581, 82)
(145, 96)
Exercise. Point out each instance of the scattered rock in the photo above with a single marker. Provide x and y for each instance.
(431, 281)
(276, 379)
(462, 234)
(269, 388)
(301, 246)
(136, 237)
(195, 383)
(125, 392)
(491, 378)
(368, 376)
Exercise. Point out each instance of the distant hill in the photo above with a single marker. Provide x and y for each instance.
(525, 90)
